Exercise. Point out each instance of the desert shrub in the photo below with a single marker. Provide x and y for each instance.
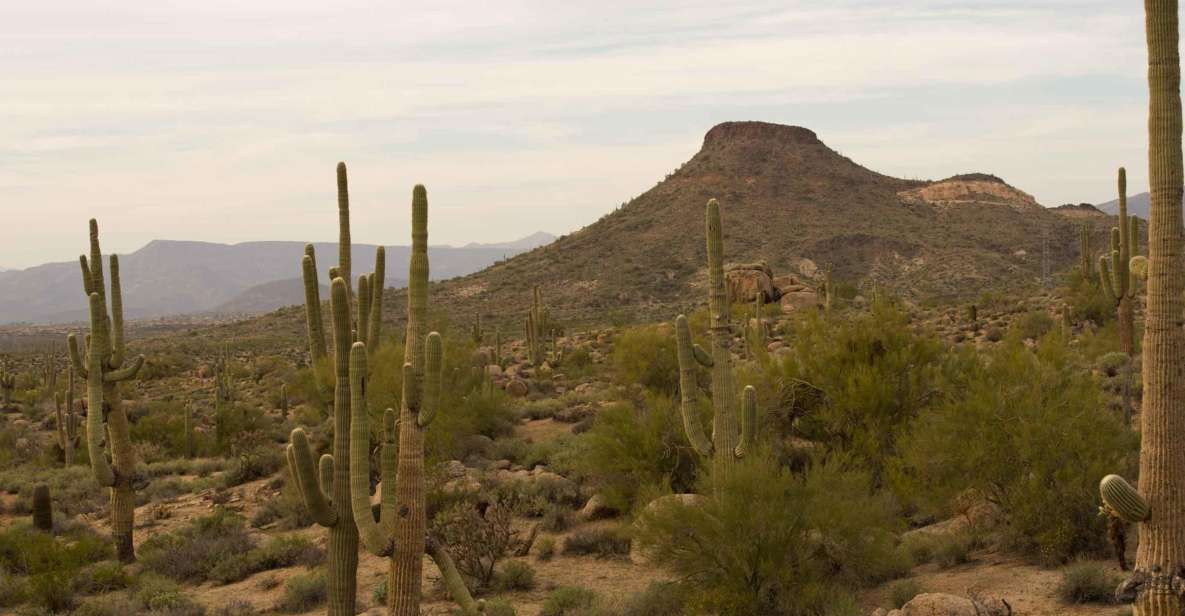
(237, 607)
(499, 607)
(918, 548)
(1029, 433)
(557, 519)
(53, 590)
(514, 575)
(901, 591)
(952, 550)
(13, 590)
(108, 605)
(545, 549)
(1087, 582)
(303, 593)
(630, 447)
(1087, 301)
(26, 551)
(479, 537)
(646, 355)
(854, 385)
(74, 489)
(774, 542)
(158, 594)
(101, 578)
(601, 542)
(659, 599)
(993, 334)
(193, 552)
(567, 601)
(278, 552)
(542, 408)
(1033, 324)
(256, 456)
(288, 510)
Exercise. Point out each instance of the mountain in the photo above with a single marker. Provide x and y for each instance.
(532, 241)
(1137, 205)
(790, 200)
(168, 277)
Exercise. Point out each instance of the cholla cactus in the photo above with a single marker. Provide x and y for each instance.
(1117, 280)
(67, 419)
(104, 369)
(728, 443)
(401, 530)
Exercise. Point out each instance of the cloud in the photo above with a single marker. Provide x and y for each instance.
(222, 120)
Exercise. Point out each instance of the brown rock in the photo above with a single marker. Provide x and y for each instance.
(799, 300)
(939, 604)
(745, 284)
(517, 388)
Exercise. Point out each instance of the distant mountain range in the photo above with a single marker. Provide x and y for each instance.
(167, 277)
(1136, 204)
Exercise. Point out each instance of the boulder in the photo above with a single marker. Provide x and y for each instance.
(596, 508)
(745, 284)
(799, 300)
(940, 604)
(517, 388)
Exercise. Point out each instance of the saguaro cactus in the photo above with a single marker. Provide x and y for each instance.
(475, 329)
(1157, 582)
(7, 385)
(401, 531)
(1120, 285)
(537, 326)
(42, 508)
(727, 444)
(284, 401)
(1085, 265)
(104, 370)
(67, 419)
(312, 305)
(327, 493)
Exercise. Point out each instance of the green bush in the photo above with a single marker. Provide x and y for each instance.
(600, 542)
(854, 385)
(101, 578)
(194, 552)
(1088, 302)
(514, 575)
(659, 599)
(646, 355)
(1087, 582)
(499, 607)
(1033, 324)
(774, 542)
(567, 601)
(545, 549)
(901, 591)
(1030, 433)
(278, 552)
(628, 448)
(304, 592)
(156, 593)
(952, 550)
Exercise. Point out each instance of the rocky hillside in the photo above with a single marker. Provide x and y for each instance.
(790, 200)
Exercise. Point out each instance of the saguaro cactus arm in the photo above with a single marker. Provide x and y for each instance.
(300, 460)
(76, 356)
(371, 533)
(687, 390)
(1123, 500)
(377, 281)
(452, 578)
(748, 421)
(430, 395)
(312, 304)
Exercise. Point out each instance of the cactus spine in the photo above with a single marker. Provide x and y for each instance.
(42, 508)
(67, 419)
(728, 444)
(1117, 280)
(1161, 553)
(104, 370)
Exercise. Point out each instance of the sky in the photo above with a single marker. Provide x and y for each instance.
(222, 120)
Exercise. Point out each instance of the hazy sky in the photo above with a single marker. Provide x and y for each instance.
(222, 120)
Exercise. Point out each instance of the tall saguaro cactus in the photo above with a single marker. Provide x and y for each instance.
(67, 419)
(1085, 265)
(1119, 284)
(728, 444)
(1158, 581)
(326, 491)
(312, 305)
(104, 369)
(537, 327)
